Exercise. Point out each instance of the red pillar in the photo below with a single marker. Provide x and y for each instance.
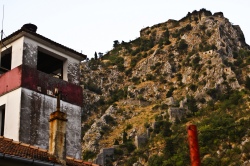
(193, 145)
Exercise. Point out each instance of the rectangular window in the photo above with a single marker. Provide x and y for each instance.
(2, 118)
(50, 63)
(5, 60)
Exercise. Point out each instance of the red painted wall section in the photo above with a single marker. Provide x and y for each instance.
(10, 80)
(44, 83)
(30, 78)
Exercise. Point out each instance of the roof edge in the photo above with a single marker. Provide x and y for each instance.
(19, 33)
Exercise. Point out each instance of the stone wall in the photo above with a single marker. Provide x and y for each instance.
(105, 154)
(140, 141)
(176, 113)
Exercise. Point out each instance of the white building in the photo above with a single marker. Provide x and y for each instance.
(31, 67)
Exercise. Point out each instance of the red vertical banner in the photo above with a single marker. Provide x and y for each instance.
(193, 145)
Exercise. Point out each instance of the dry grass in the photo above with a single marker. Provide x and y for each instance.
(139, 117)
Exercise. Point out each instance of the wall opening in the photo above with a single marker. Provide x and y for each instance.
(5, 61)
(2, 118)
(49, 63)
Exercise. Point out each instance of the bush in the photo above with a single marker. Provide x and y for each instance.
(118, 152)
(179, 76)
(170, 92)
(116, 143)
(247, 83)
(195, 61)
(136, 80)
(182, 45)
(166, 34)
(88, 155)
(93, 87)
(117, 94)
(146, 125)
(176, 34)
(129, 126)
(130, 161)
(193, 87)
(109, 120)
(203, 27)
(128, 72)
(155, 160)
(134, 61)
(150, 77)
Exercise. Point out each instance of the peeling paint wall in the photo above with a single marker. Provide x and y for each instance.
(70, 67)
(44, 83)
(35, 111)
(12, 113)
(32, 79)
(28, 96)
(30, 54)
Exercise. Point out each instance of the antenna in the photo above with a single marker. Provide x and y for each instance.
(2, 23)
(1, 38)
(2, 44)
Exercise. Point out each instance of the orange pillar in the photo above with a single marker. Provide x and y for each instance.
(193, 145)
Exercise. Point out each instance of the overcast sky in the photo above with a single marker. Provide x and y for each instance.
(92, 25)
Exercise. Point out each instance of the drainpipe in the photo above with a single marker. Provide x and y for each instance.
(26, 161)
(193, 145)
(57, 132)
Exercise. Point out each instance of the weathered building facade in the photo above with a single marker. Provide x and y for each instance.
(31, 67)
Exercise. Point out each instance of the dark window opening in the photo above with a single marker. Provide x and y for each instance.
(49, 64)
(2, 117)
(5, 60)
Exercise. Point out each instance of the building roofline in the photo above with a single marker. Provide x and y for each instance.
(46, 158)
(25, 32)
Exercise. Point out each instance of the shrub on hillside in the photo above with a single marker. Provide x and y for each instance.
(182, 46)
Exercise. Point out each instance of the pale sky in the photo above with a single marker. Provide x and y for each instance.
(92, 25)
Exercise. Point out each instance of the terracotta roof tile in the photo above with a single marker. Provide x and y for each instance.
(14, 148)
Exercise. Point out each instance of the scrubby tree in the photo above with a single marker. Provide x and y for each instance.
(182, 45)
(116, 43)
(191, 103)
(95, 56)
(247, 84)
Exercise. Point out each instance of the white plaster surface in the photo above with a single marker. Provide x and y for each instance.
(17, 53)
(12, 113)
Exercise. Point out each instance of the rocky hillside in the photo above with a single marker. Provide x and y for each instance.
(141, 94)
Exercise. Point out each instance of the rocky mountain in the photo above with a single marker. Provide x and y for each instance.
(140, 95)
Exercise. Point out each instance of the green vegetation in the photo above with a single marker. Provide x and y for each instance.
(92, 87)
(150, 77)
(182, 47)
(170, 92)
(109, 120)
(191, 103)
(218, 108)
(88, 155)
(136, 80)
(117, 94)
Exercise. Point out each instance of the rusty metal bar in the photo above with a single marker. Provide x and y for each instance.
(193, 145)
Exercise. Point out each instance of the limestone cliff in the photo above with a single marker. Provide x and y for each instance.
(162, 73)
